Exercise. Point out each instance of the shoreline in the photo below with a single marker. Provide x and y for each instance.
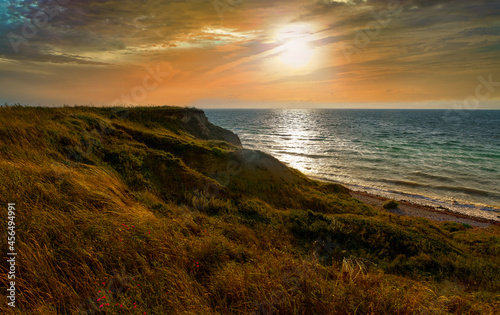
(411, 209)
(417, 188)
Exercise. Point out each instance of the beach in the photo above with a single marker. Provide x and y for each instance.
(415, 210)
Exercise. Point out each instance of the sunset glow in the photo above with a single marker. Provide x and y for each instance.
(297, 53)
(295, 50)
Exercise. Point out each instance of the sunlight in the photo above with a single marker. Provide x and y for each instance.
(296, 53)
(295, 50)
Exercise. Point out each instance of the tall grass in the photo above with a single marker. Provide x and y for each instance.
(114, 217)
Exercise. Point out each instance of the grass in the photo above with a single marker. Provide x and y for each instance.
(116, 206)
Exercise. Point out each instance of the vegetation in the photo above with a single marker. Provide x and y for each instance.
(390, 204)
(119, 213)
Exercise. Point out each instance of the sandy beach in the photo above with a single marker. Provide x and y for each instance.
(415, 210)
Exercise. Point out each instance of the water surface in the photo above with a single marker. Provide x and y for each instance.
(433, 157)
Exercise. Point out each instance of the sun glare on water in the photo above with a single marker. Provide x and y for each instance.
(295, 50)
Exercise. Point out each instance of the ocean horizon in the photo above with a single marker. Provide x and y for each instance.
(434, 157)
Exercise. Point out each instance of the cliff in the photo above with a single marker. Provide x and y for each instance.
(157, 211)
(191, 120)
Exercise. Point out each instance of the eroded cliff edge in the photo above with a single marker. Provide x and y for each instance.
(190, 120)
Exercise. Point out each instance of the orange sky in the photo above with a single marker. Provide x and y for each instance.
(241, 53)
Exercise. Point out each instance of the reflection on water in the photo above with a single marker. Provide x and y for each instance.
(416, 152)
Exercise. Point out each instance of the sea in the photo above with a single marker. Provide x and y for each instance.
(440, 158)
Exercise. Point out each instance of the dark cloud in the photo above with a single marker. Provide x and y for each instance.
(488, 47)
(54, 58)
(99, 25)
(482, 30)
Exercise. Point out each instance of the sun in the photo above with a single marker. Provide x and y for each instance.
(296, 53)
(295, 50)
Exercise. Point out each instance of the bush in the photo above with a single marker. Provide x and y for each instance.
(217, 151)
(390, 204)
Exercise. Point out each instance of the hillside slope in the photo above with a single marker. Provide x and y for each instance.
(157, 211)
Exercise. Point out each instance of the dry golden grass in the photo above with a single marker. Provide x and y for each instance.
(117, 207)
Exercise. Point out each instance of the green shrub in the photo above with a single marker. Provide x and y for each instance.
(217, 151)
(390, 204)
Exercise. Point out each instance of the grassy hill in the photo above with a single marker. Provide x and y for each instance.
(157, 211)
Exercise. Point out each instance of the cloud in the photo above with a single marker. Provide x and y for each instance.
(63, 58)
(83, 26)
(427, 36)
(482, 30)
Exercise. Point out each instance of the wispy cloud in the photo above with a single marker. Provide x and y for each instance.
(428, 47)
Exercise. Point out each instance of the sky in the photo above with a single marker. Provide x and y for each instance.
(251, 53)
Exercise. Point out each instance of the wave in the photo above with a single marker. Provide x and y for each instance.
(467, 190)
(489, 155)
(492, 170)
(433, 177)
(312, 156)
(404, 183)
(459, 189)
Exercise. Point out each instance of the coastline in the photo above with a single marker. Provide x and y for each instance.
(449, 181)
(412, 209)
